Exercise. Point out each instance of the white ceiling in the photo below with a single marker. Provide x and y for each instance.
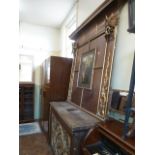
(45, 12)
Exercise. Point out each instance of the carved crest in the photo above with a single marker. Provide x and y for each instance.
(110, 23)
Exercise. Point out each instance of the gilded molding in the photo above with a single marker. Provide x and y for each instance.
(74, 48)
(74, 51)
(104, 92)
(110, 24)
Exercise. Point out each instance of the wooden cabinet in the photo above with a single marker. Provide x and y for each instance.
(55, 82)
(26, 102)
(68, 127)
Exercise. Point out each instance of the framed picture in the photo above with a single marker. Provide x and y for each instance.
(86, 70)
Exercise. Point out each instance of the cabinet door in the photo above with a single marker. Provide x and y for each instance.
(60, 76)
(45, 109)
(26, 105)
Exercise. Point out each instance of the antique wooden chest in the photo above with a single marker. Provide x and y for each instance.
(68, 126)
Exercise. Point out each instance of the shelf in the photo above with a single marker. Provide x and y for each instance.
(28, 111)
(114, 110)
(26, 99)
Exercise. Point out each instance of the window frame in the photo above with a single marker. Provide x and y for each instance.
(68, 26)
(32, 58)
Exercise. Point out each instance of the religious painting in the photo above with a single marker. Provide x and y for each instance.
(86, 69)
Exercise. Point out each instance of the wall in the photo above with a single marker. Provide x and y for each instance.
(86, 8)
(39, 37)
(41, 42)
(124, 53)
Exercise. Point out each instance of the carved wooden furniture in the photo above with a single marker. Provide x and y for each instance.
(55, 82)
(26, 102)
(106, 138)
(89, 86)
(68, 126)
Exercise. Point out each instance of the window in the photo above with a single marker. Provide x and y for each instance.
(25, 68)
(70, 27)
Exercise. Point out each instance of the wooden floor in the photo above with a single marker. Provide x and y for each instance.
(34, 145)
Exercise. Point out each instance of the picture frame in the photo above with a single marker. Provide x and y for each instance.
(85, 77)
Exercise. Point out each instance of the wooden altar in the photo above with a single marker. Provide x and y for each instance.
(89, 88)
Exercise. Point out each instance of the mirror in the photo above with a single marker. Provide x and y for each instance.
(121, 72)
(118, 104)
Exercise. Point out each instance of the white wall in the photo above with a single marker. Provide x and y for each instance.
(124, 53)
(40, 42)
(86, 8)
(39, 37)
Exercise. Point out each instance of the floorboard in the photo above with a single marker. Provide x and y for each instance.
(35, 144)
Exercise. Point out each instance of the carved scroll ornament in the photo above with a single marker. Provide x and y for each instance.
(110, 24)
